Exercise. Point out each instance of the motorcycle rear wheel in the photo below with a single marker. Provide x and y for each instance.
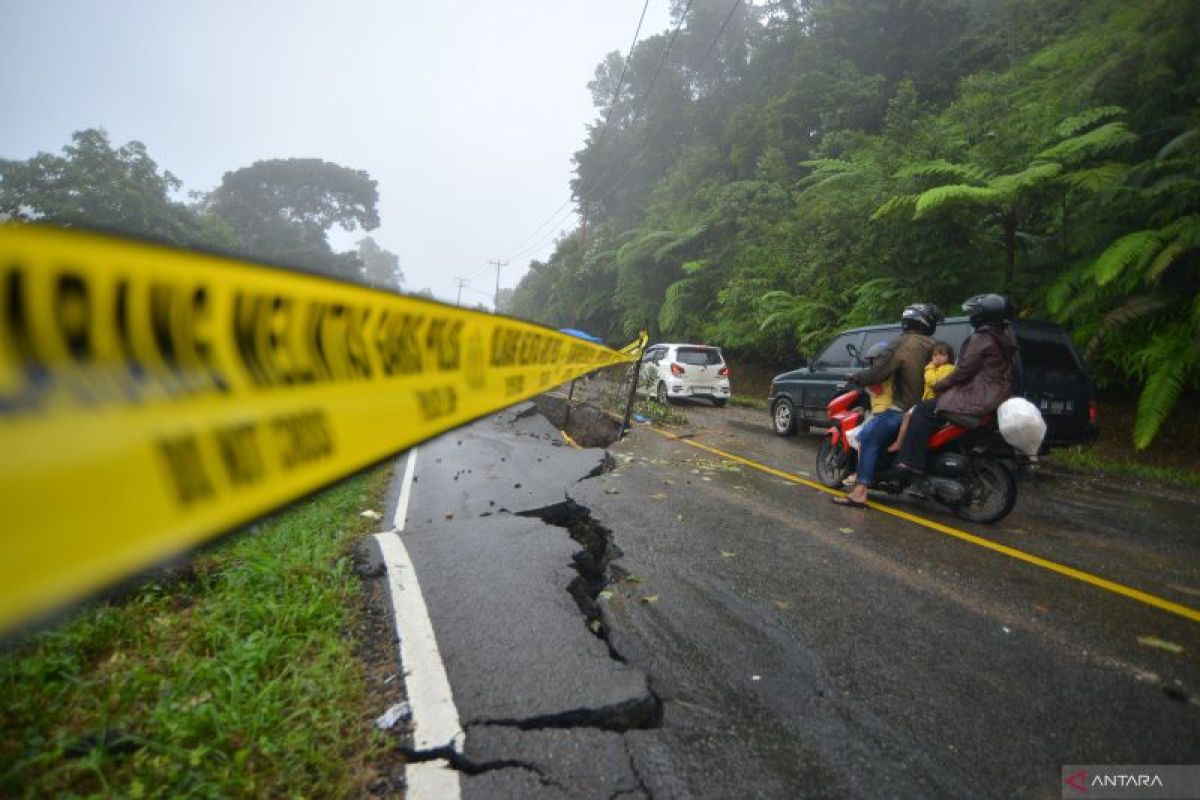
(991, 492)
(833, 464)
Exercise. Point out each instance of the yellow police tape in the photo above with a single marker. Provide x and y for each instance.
(152, 399)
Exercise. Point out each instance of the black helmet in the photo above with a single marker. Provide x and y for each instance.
(923, 317)
(988, 309)
(875, 351)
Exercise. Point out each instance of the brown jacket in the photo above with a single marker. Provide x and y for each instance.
(982, 378)
(906, 365)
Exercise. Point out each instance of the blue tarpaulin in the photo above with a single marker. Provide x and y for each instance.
(582, 335)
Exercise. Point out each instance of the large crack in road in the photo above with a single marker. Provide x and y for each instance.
(548, 706)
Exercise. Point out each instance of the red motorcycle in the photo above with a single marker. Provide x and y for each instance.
(970, 469)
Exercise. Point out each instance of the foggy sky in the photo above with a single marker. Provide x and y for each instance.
(466, 112)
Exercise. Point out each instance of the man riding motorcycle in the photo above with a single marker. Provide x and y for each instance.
(904, 362)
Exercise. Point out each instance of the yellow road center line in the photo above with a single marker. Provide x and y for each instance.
(1012, 552)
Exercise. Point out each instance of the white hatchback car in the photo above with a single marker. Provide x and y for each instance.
(685, 370)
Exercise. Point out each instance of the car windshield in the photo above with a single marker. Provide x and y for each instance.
(698, 356)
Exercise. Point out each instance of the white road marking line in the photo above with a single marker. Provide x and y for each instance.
(410, 468)
(434, 715)
(434, 779)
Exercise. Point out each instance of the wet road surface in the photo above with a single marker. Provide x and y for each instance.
(688, 625)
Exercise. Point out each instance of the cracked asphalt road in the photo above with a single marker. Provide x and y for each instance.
(759, 641)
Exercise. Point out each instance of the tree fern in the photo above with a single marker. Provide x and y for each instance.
(1131, 251)
(1171, 361)
(1102, 178)
(1098, 142)
(901, 203)
(1185, 143)
(945, 171)
(1185, 230)
(955, 194)
(1027, 178)
(1072, 126)
(1165, 258)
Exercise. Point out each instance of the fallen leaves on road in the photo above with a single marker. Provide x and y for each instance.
(1154, 641)
(634, 579)
(727, 554)
(658, 496)
(846, 530)
(782, 605)
(605, 595)
(650, 598)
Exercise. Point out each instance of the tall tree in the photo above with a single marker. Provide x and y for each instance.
(119, 190)
(381, 268)
(283, 209)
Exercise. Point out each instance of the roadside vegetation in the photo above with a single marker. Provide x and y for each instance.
(744, 401)
(236, 676)
(770, 177)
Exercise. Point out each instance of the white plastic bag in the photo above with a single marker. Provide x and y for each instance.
(852, 437)
(1021, 425)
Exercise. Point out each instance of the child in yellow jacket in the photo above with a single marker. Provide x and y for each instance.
(941, 364)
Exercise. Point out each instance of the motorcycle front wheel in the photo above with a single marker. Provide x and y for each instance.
(833, 464)
(991, 492)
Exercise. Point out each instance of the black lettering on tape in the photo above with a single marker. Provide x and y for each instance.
(18, 338)
(443, 340)
(437, 403)
(302, 438)
(397, 341)
(185, 466)
(240, 454)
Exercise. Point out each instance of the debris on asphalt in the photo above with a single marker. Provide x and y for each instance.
(401, 712)
(1154, 641)
(727, 554)
(650, 598)
(658, 496)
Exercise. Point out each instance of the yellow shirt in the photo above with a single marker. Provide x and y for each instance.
(933, 375)
(881, 396)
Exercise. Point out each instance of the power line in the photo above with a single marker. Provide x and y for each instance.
(584, 195)
(608, 116)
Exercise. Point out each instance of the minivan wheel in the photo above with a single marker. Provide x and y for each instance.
(783, 418)
(661, 393)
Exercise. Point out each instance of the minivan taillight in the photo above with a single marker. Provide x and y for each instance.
(676, 369)
(723, 372)
(1093, 412)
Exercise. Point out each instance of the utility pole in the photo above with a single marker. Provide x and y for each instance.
(461, 283)
(496, 300)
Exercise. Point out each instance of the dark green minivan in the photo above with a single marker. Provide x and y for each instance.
(1049, 373)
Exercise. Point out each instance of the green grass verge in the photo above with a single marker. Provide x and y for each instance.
(238, 678)
(1079, 458)
(748, 402)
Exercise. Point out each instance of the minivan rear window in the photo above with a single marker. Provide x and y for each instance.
(1048, 351)
(698, 356)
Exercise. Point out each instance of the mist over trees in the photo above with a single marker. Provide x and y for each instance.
(279, 211)
(820, 164)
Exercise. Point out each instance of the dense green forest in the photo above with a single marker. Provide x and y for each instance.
(769, 173)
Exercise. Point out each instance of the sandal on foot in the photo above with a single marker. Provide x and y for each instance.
(846, 501)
